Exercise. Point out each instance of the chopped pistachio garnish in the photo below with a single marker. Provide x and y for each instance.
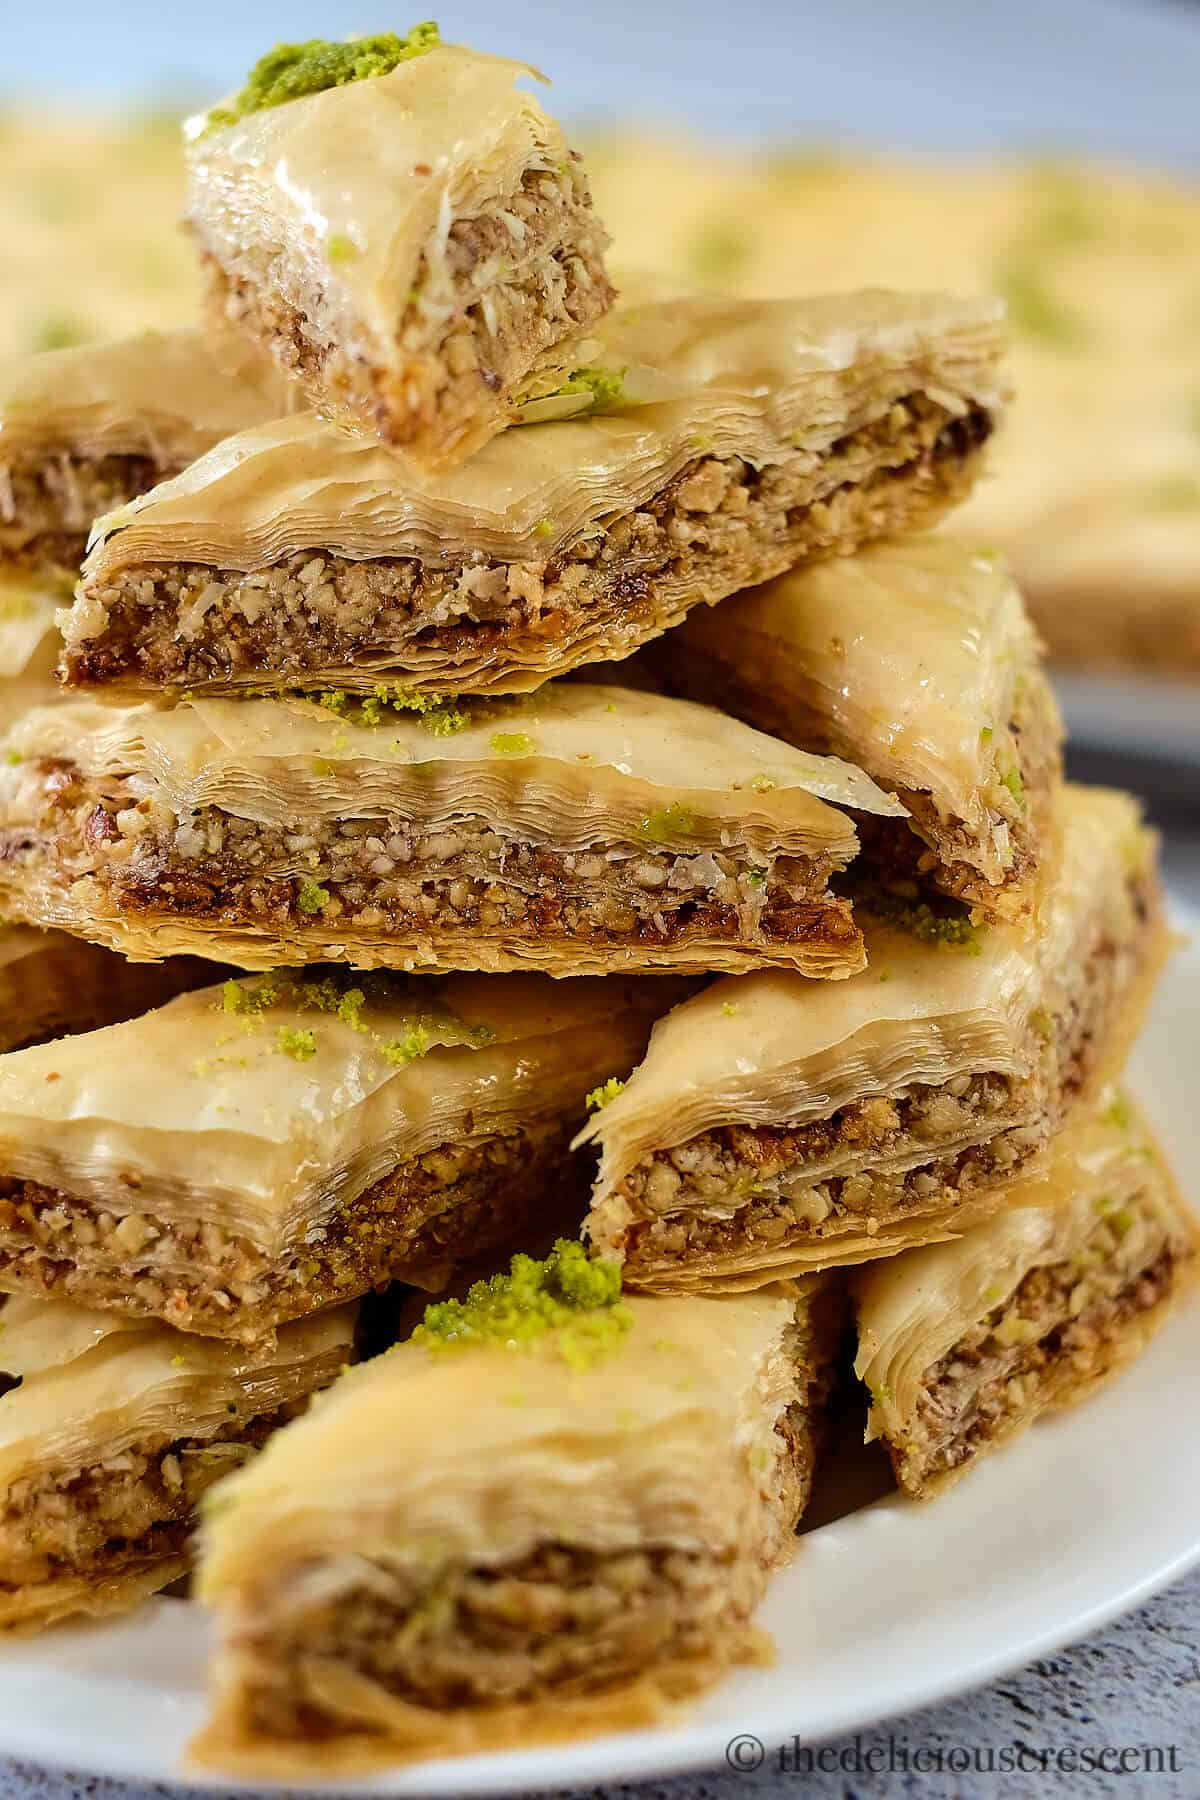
(57, 331)
(291, 71)
(326, 994)
(986, 734)
(511, 743)
(299, 1045)
(762, 784)
(248, 1001)
(949, 930)
(668, 822)
(544, 528)
(879, 1391)
(437, 713)
(600, 1096)
(1119, 1113)
(1123, 1220)
(566, 1294)
(1011, 779)
(340, 248)
(757, 878)
(1042, 1022)
(729, 1008)
(312, 898)
(412, 1046)
(604, 385)
(12, 758)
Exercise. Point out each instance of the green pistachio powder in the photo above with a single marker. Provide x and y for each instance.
(567, 1293)
(290, 71)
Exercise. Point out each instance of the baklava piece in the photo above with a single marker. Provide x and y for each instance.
(777, 1125)
(252, 1153)
(916, 660)
(111, 1432)
(964, 1344)
(549, 1512)
(585, 831)
(85, 429)
(52, 985)
(717, 446)
(403, 228)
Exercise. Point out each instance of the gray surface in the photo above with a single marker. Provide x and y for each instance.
(1109, 74)
(1136, 1683)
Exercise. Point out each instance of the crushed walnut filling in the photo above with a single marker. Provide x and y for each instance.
(719, 526)
(434, 1210)
(517, 279)
(392, 878)
(128, 1507)
(561, 1620)
(1074, 1314)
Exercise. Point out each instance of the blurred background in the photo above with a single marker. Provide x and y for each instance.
(1046, 149)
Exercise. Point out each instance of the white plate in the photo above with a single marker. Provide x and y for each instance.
(888, 1608)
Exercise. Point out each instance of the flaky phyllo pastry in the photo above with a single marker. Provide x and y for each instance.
(416, 243)
(963, 1344)
(112, 1435)
(720, 444)
(85, 429)
(586, 830)
(30, 599)
(52, 984)
(778, 1125)
(253, 1152)
(915, 659)
(548, 1513)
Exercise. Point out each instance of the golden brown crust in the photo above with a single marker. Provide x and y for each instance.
(450, 1205)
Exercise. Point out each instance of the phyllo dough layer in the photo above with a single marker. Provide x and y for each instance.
(113, 1434)
(915, 659)
(253, 1152)
(964, 1344)
(52, 984)
(777, 1125)
(85, 429)
(720, 445)
(416, 246)
(587, 830)
(543, 1516)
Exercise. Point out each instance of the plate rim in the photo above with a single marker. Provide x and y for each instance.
(693, 1745)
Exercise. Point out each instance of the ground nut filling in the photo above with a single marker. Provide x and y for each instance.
(725, 1192)
(124, 1511)
(1075, 1316)
(49, 499)
(719, 526)
(454, 1202)
(517, 280)
(940, 849)
(718, 1196)
(561, 1621)
(392, 881)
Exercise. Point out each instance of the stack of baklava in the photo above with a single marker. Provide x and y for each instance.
(845, 975)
